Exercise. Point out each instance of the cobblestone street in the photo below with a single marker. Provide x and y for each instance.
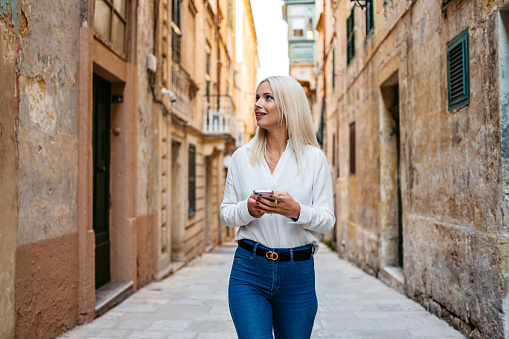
(192, 303)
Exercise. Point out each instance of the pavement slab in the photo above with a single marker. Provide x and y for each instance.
(192, 303)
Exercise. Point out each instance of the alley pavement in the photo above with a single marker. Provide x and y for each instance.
(192, 303)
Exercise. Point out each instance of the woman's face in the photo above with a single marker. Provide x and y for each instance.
(266, 113)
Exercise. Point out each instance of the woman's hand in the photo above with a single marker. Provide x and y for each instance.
(253, 208)
(282, 204)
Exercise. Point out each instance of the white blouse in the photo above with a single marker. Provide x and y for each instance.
(311, 188)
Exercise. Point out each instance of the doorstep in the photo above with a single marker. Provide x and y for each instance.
(393, 277)
(111, 294)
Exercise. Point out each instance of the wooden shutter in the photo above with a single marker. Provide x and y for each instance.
(458, 71)
(352, 148)
(350, 35)
(370, 17)
(192, 181)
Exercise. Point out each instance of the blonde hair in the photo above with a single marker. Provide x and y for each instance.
(293, 107)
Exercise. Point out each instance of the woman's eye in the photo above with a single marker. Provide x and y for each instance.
(269, 97)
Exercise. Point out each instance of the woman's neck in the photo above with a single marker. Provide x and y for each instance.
(276, 142)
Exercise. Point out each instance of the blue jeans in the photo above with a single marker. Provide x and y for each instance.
(266, 295)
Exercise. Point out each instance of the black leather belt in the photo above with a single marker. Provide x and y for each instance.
(300, 255)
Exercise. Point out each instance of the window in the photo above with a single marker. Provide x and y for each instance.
(333, 68)
(350, 36)
(458, 71)
(207, 72)
(352, 148)
(298, 26)
(370, 17)
(230, 14)
(333, 149)
(192, 181)
(176, 35)
(110, 22)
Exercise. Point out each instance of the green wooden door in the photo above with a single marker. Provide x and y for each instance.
(101, 149)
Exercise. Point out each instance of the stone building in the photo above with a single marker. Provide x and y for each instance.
(301, 19)
(416, 124)
(117, 116)
(416, 118)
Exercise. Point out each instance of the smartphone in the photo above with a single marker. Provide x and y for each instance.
(263, 193)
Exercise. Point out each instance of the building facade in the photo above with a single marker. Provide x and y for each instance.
(416, 120)
(118, 115)
(301, 19)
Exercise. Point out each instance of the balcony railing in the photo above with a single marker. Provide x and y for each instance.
(184, 88)
(219, 116)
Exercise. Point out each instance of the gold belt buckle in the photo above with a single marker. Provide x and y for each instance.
(271, 255)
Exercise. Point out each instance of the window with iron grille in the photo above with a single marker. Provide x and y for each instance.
(110, 22)
(350, 36)
(458, 71)
(192, 181)
(370, 17)
(176, 35)
(352, 148)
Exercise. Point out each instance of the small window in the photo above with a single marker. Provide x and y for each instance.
(333, 68)
(110, 22)
(370, 17)
(192, 181)
(350, 36)
(458, 71)
(352, 148)
(298, 26)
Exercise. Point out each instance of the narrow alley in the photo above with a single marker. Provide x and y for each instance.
(192, 303)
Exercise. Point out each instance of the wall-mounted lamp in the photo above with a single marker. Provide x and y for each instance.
(309, 32)
(170, 94)
(362, 3)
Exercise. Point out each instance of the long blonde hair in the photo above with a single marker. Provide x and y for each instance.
(293, 107)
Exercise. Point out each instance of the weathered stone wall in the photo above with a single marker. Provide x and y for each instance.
(48, 120)
(8, 165)
(39, 166)
(450, 161)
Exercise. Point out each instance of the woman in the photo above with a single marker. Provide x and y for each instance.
(272, 282)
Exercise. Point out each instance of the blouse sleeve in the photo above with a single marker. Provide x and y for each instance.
(234, 211)
(319, 217)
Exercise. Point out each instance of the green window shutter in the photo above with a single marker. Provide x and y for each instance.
(458, 71)
(350, 36)
(333, 68)
(370, 17)
(353, 147)
(192, 181)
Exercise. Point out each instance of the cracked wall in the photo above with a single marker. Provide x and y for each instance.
(46, 141)
(8, 173)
